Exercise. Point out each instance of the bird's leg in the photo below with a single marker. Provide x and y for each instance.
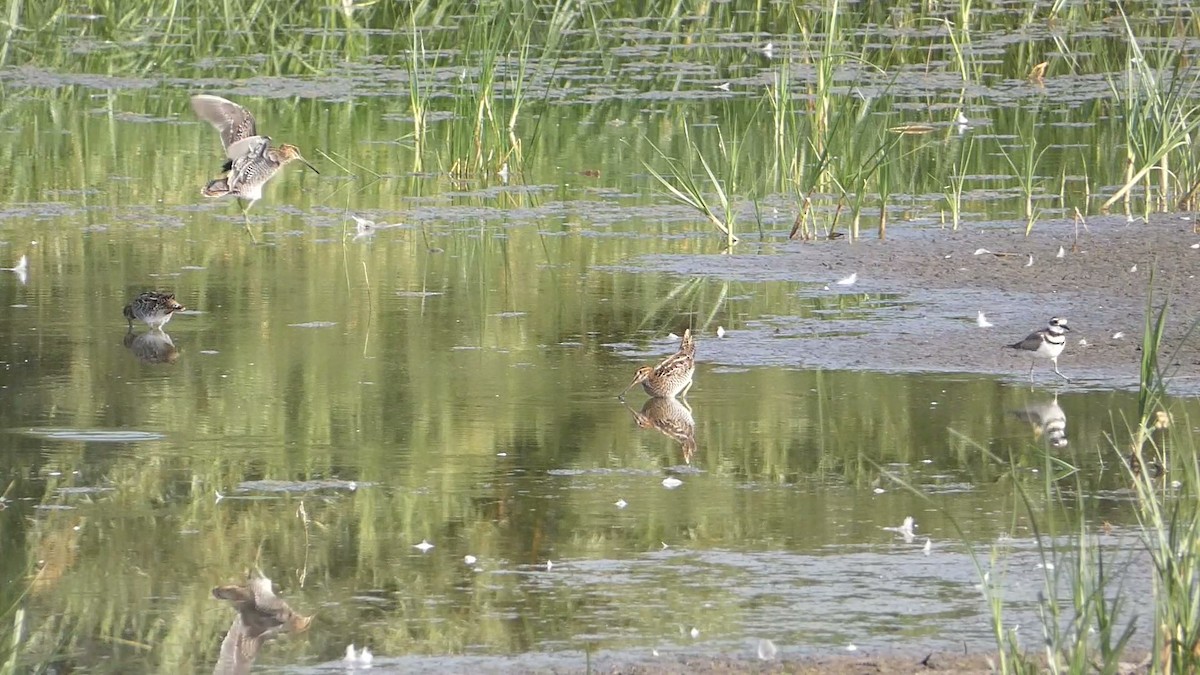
(683, 392)
(1058, 373)
(246, 219)
(1031, 365)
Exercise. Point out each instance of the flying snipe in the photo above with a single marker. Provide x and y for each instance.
(152, 307)
(672, 377)
(261, 615)
(251, 159)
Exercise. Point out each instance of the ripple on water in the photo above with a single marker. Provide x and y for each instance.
(299, 486)
(96, 435)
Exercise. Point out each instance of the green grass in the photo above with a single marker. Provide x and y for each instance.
(1091, 627)
(1160, 117)
(1169, 516)
(709, 194)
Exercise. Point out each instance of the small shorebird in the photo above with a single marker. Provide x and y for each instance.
(152, 307)
(261, 615)
(1047, 343)
(672, 377)
(251, 159)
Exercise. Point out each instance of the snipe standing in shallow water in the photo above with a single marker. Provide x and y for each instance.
(251, 159)
(152, 307)
(671, 378)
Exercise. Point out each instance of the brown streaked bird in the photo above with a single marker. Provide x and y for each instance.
(251, 161)
(673, 419)
(673, 376)
(152, 307)
(261, 615)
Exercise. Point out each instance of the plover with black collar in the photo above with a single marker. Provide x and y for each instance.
(1047, 343)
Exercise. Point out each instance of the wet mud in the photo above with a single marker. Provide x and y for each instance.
(918, 294)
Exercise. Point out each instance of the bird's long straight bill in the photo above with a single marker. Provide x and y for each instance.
(309, 165)
(626, 389)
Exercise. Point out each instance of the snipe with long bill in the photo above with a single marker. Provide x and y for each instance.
(251, 160)
(672, 377)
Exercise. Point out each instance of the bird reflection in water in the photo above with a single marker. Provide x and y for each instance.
(1048, 420)
(153, 346)
(261, 615)
(672, 418)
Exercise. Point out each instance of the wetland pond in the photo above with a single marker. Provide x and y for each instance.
(412, 426)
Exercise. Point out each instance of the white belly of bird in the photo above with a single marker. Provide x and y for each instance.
(252, 192)
(1050, 350)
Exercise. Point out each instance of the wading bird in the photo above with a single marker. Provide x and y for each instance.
(153, 308)
(1046, 343)
(673, 376)
(251, 161)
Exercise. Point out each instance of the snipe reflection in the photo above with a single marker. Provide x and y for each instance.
(261, 615)
(672, 418)
(153, 346)
(1048, 420)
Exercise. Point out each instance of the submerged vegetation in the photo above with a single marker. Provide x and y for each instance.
(337, 404)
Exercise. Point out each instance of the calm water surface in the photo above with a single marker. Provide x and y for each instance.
(331, 401)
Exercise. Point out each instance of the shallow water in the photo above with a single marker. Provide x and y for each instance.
(332, 399)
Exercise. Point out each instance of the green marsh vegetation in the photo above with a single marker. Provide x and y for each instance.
(483, 92)
(1163, 464)
(1094, 589)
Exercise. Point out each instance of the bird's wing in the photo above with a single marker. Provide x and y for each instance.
(1032, 341)
(253, 151)
(253, 146)
(231, 120)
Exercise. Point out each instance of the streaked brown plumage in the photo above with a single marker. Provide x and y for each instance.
(152, 307)
(673, 419)
(251, 161)
(673, 376)
(261, 615)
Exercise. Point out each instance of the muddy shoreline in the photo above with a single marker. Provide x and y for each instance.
(948, 663)
(923, 289)
(940, 662)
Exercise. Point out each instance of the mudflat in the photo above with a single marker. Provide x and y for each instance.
(922, 291)
(842, 664)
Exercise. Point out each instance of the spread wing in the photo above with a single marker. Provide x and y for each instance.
(252, 154)
(231, 120)
(253, 146)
